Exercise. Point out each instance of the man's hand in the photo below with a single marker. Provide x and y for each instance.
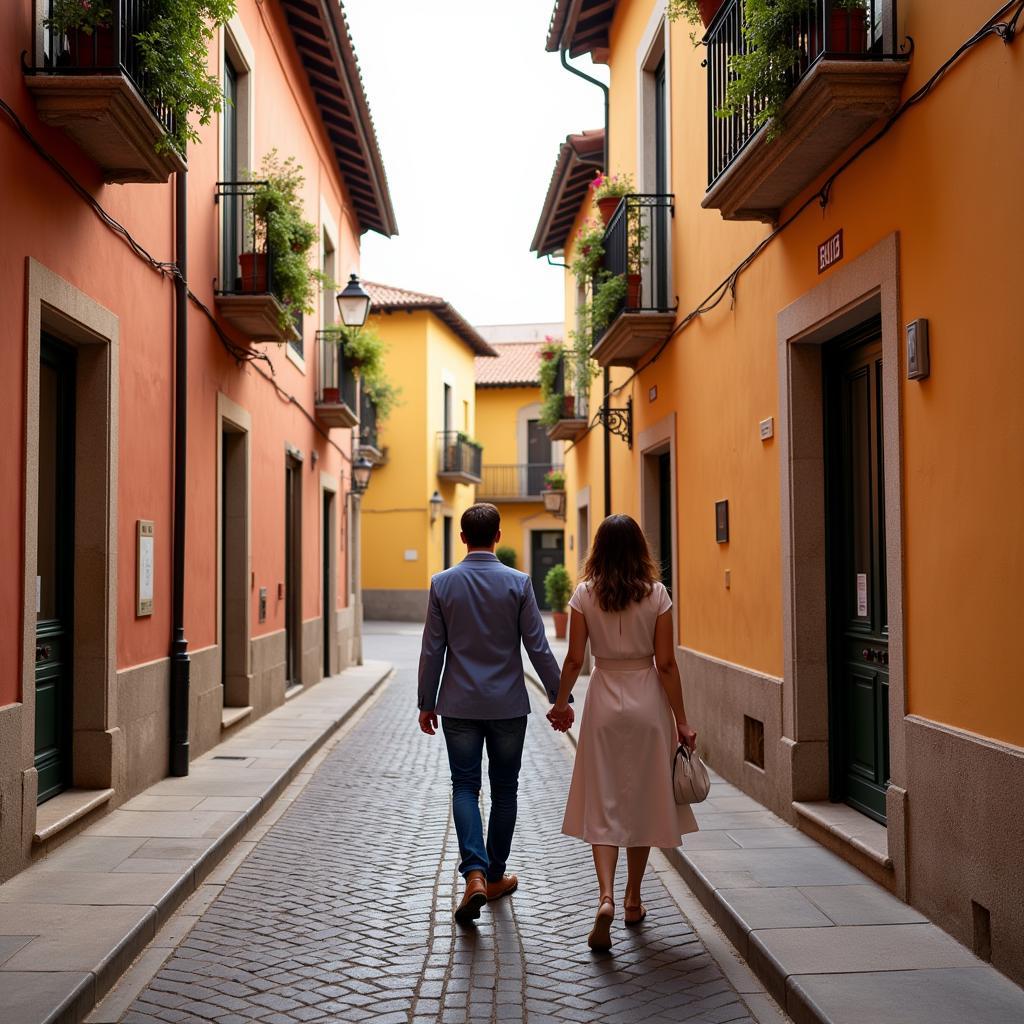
(428, 722)
(561, 719)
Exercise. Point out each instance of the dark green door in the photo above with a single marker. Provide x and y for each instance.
(857, 609)
(547, 549)
(538, 455)
(54, 566)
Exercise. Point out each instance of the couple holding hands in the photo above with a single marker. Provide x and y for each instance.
(471, 676)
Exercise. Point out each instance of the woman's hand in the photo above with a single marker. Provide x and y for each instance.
(561, 717)
(687, 736)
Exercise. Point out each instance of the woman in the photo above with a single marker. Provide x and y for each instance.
(621, 792)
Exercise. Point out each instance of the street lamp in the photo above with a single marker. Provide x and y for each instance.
(353, 303)
(436, 501)
(361, 469)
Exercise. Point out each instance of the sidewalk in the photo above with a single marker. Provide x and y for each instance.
(831, 946)
(74, 921)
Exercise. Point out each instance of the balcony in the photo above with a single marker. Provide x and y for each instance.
(512, 482)
(844, 80)
(637, 245)
(95, 88)
(337, 390)
(246, 293)
(572, 424)
(458, 459)
(369, 445)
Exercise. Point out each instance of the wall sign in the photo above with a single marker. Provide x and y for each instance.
(144, 542)
(862, 594)
(918, 359)
(652, 393)
(830, 251)
(722, 522)
(766, 428)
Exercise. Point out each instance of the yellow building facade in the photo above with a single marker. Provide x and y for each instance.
(428, 463)
(518, 454)
(829, 465)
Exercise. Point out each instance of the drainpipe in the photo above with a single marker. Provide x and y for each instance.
(607, 379)
(180, 662)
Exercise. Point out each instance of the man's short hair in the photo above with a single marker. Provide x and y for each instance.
(480, 523)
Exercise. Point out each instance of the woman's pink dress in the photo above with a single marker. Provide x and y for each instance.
(621, 792)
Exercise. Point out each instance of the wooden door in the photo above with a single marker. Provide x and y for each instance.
(293, 572)
(547, 549)
(857, 596)
(55, 568)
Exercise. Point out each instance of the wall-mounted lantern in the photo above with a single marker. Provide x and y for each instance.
(361, 470)
(353, 303)
(436, 501)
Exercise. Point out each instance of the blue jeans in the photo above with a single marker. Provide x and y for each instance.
(466, 738)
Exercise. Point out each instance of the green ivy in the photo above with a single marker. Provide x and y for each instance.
(363, 345)
(552, 402)
(609, 296)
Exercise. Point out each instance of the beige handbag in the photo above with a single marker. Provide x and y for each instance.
(690, 781)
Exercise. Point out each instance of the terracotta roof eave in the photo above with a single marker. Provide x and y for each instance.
(509, 384)
(577, 31)
(411, 302)
(564, 195)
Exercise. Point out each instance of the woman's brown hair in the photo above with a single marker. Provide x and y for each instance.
(620, 569)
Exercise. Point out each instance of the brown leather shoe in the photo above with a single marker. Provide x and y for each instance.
(505, 886)
(473, 898)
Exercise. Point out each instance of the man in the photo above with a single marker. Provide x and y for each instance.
(479, 611)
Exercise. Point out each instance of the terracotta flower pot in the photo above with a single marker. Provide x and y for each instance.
(254, 271)
(89, 49)
(608, 206)
(330, 396)
(708, 10)
(561, 624)
(569, 407)
(634, 289)
(848, 32)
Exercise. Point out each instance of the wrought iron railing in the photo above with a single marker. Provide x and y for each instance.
(368, 422)
(636, 248)
(336, 383)
(457, 454)
(825, 29)
(514, 480)
(247, 259)
(108, 50)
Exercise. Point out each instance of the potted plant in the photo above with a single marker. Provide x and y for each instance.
(764, 72)
(693, 11)
(84, 27)
(608, 191)
(278, 240)
(551, 403)
(569, 407)
(556, 590)
(554, 480)
(506, 555)
(588, 250)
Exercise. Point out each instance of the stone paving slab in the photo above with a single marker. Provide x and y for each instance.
(832, 946)
(342, 910)
(72, 923)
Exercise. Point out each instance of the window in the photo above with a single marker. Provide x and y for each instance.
(327, 301)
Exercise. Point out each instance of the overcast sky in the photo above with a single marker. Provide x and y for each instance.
(470, 111)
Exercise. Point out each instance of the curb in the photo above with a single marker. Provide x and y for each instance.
(90, 992)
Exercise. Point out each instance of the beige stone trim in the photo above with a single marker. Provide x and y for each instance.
(56, 306)
(657, 439)
(850, 294)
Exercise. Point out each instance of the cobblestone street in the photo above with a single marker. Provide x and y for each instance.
(342, 912)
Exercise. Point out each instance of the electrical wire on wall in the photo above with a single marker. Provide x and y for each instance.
(240, 353)
(1004, 30)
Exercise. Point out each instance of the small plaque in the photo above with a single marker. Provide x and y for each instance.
(652, 393)
(263, 605)
(862, 594)
(722, 522)
(766, 428)
(830, 251)
(144, 550)
(918, 360)
(411, 555)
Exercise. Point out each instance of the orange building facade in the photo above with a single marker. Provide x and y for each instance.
(827, 463)
(91, 709)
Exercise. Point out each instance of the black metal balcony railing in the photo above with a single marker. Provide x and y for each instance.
(636, 246)
(457, 454)
(247, 265)
(107, 50)
(336, 383)
(515, 480)
(367, 422)
(825, 29)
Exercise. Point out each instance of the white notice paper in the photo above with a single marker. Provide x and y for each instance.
(862, 593)
(145, 569)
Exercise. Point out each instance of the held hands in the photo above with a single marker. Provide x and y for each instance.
(687, 736)
(428, 722)
(561, 718)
